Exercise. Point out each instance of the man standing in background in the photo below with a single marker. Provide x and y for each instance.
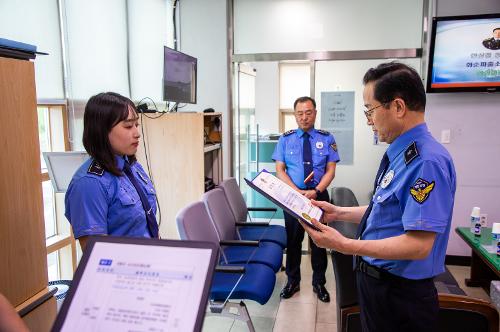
(306, 160)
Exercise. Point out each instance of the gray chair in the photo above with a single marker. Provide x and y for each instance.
(220, 213)
(250, 230)
(244, 281)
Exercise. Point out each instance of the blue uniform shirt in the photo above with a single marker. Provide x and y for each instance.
(107, 204)
(416, 193)
(289, 151)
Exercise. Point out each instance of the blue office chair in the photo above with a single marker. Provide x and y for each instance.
(245, 281)
(251, 230)
(218, 208)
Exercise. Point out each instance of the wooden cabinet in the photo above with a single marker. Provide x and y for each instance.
(23, 262)
(182, 150)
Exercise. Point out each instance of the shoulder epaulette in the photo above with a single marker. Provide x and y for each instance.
(96, 169)
(411, 153)
(289, 132)
(323, 132)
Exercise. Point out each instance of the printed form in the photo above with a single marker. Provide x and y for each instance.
(287, 196)
(127, 287)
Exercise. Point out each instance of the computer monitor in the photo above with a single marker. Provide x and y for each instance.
(179, 77)
(138, 284)
(464, 54)
(62, 166)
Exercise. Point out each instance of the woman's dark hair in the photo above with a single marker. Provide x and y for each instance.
(397, 80)
(102, 112)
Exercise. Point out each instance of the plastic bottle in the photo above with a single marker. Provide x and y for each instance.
(475, 221)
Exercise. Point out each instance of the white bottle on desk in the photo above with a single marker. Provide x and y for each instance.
(475, 221)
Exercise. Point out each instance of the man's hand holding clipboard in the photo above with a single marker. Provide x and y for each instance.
(287, 198)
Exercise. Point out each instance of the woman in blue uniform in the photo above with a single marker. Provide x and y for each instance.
(111, 194)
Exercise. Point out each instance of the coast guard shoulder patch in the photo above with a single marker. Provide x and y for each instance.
(411, 153)
(96, 169)
(334, 146)
(421, 190)
(289, 132)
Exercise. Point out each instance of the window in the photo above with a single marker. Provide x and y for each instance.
(295, 82)
(61, 246)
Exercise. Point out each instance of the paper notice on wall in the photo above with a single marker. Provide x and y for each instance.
(337, 117)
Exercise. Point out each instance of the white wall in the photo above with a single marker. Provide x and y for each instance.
(36, 22)
(204, 36)
(149, 32)
(97, 51)
(275, 26)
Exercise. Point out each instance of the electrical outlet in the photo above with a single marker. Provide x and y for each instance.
(445, 136)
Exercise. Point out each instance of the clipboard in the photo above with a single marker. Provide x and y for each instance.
(282, 205)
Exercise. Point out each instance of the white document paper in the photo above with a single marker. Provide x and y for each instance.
(127, 287)
(287, 196)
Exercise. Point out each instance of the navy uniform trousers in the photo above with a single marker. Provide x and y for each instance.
(295, 236)
(397, 304)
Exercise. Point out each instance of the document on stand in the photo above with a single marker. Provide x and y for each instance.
(286, 197)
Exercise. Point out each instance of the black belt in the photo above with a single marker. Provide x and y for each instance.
(381, 274)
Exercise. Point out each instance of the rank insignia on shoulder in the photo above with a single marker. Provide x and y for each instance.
(421, 190)
(322, 132)
(334, 146)
(96, 169)
(411, 153)
(289, 132)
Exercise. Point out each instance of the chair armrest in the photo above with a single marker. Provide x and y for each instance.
(230, 269)
(270, 209)
(461, 302)
(251, 223)
(239, 243)
(345, 313)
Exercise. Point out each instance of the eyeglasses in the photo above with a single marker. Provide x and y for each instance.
(369, 112)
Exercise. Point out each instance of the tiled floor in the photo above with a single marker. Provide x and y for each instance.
(304, 312)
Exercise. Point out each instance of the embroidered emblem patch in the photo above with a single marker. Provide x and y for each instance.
(411, 153)
(334, 146)
(319, 145)
(96, 169)
(421, 190)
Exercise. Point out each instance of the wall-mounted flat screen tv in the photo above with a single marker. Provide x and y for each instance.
(179, 77)
(464, 54)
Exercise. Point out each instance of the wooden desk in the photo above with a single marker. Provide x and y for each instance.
(484, 266)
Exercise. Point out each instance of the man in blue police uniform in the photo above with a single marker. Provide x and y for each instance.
(305, 159)
(403, 233)
(493, 43)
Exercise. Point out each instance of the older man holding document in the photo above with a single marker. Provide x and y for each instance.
(403, 233)
(305, 159)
